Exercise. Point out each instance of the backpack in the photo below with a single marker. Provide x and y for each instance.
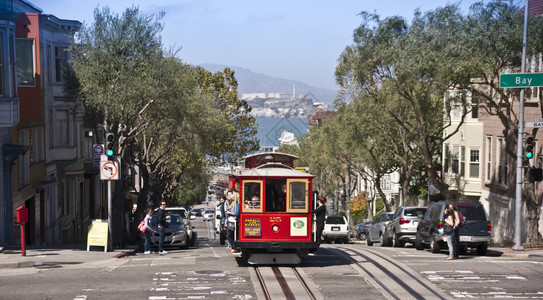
(462, 220)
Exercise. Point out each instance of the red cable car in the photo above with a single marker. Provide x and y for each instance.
(275, 209)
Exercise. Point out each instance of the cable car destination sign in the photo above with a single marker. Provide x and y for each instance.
(521, 80)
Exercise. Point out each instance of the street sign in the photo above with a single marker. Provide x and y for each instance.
(97, 151)
(533, 124)
(109, 169)
(521, 80)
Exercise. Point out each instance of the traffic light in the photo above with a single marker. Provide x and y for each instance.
(529, 146)
(534, 174)
(110, 145)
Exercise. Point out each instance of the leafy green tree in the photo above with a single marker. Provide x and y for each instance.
(406, 69)
(171, 119)
(493, 39)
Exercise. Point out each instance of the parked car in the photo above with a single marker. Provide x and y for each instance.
(335, 230)
(475, 234)
(186, 217)
(362, 230)
(175, 233)
(209, 215)
(197, 212)
(403, 227)
(377, 229)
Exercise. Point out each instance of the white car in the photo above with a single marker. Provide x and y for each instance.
(336, 230)
(209, 215)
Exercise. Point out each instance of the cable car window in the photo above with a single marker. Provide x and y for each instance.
(298, 195)
(252, 195)
(276, 195)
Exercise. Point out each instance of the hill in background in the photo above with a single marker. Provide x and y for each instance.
(250, 82)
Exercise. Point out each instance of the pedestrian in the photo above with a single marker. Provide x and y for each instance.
(456, 229)
(148, 230)
(448, 231)
(232, 212)
(320, 216)
(162, 224)
(222, 228)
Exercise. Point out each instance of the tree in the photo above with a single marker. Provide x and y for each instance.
(493, 39)
(169, 120)
(381, 67)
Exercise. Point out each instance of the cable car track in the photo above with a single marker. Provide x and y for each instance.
(391, 278)
(284, 283)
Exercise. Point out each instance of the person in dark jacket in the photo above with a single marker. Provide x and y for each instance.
(320, 214)
(162, 224)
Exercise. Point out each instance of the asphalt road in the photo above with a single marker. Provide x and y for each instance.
(343, 271)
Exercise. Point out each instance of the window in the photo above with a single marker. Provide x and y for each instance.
(474, 163)
(24, 160)
(455, 159)
(37, 153)
(61, 58)
(25, 61)
(62, 128)
(488, 158)
(298, 195)
(276, 195)
(502, 162)
(252, 195)
(462, 161)
(474, 106)
(447, 159)
(1, 67)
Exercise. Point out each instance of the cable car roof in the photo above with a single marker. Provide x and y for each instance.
(258, 159)
(273, 172)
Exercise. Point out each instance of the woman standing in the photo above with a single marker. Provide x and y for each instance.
(232, 212)
(448, 231)
(148, 230)
(320, 214)
(456, 229)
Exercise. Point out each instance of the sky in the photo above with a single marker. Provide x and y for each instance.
(289, 39)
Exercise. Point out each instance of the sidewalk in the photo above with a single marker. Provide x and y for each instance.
(54, 255)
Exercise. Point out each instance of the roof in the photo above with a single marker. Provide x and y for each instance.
(320, 114)
(273, 172)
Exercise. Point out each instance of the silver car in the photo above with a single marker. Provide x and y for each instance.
(377, 229)
(403, 227)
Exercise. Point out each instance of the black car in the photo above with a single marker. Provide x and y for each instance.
(362, 229)
(475, 234)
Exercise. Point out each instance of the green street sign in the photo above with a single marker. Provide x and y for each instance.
(521, 80)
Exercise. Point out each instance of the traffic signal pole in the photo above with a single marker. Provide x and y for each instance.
(520, 157)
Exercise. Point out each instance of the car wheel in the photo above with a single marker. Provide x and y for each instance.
(383, 240)
(434, 245)
(418, 242)
(362, 236)
(482, 249)
(369, 242)
(346, 240)
(193, 239)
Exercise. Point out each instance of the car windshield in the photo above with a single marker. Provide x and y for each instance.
(335, 220)
(174, 220)
(209, 212)
(413, 212)
(473, 212)
(181, 212)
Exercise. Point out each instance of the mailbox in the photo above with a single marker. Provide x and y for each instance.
(22, 214)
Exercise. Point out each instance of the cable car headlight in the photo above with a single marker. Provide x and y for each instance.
(275, 228)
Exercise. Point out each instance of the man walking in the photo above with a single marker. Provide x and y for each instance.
(161, 219)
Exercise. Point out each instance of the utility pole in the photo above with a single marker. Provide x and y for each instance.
(518, 200)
